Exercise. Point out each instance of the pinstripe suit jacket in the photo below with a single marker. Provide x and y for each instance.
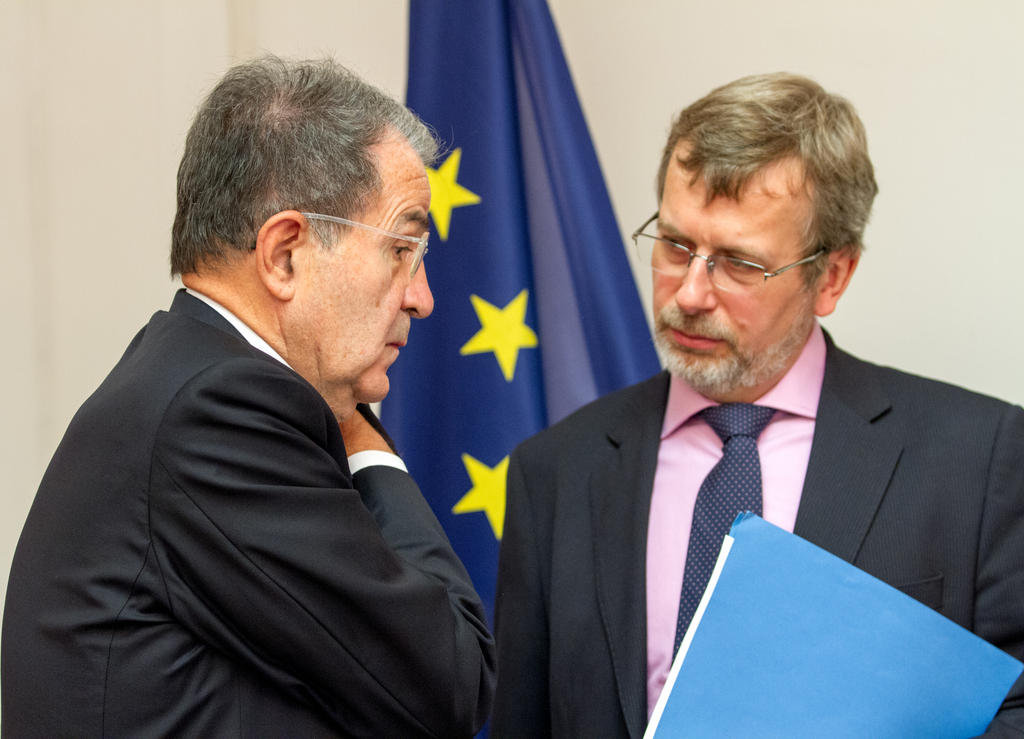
(914, 481)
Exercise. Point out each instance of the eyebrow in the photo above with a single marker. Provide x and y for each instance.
(671, 231)
(674, 234)
(416, 217)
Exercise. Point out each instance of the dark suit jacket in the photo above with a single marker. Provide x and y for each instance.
(917, 482)
(198, 561)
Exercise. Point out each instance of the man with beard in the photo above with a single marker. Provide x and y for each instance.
(616, 514)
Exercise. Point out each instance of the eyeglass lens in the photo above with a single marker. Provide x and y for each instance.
(674, 260)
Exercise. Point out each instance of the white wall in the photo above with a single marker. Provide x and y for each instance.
(97, 97)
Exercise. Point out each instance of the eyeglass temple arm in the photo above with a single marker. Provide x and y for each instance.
(805, 260)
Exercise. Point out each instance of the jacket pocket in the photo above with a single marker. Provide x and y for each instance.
(927, 591)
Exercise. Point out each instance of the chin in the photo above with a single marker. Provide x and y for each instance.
(372, 392)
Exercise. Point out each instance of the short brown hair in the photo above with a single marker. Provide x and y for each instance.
(740, 128)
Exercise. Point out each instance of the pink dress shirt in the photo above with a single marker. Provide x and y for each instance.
(689, 449)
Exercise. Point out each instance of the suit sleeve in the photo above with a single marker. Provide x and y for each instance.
(350, 599)
(521, 706)
(999, 603)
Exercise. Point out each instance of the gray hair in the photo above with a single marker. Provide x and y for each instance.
(275, 135)
(740, 128)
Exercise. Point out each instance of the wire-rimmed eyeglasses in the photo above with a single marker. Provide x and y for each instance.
(411, 255)
(727, 273)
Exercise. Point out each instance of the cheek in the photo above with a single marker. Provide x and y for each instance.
(663, 292)
(750, 320)
(769, 322)
(365, 302)
(377, 316)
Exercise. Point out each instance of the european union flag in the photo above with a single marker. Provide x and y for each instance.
(536, 311)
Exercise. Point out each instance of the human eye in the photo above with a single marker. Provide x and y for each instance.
(672, 252)
(740, 269)
(402, 251)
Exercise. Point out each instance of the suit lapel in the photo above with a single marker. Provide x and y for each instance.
(620, 494)
(853, 457)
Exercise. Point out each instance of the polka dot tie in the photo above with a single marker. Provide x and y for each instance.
(732, 486)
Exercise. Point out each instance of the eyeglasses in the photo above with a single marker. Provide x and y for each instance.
(413, 256)
(730, 274)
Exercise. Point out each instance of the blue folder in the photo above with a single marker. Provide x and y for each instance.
(792, 641)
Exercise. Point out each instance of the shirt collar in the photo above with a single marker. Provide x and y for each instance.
(247, 333)
(796, 393)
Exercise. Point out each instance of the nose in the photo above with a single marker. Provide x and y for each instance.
(696, 294)
(418, 301)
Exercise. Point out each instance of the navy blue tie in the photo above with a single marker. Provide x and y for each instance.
(732, 486)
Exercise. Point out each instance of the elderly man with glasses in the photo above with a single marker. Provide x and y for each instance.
(615, 515)
(224, 543)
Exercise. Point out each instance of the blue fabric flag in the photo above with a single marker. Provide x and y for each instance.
(536, 311)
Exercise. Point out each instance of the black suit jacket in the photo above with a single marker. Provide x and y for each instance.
(917, 482)
(198, 561)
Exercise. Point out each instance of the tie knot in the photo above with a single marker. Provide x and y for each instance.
(737, 419)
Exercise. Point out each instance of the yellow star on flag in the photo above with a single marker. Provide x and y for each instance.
(446, 193)
(502, 331)
(487, 493)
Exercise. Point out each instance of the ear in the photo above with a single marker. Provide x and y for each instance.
(832, 284)
(278, 242)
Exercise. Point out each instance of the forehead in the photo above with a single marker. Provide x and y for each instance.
(769, 220)
(404, 193)
(779, 185)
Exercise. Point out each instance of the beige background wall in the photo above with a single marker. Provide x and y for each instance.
(97, 96)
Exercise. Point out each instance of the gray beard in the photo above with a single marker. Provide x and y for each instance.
(715, 377)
